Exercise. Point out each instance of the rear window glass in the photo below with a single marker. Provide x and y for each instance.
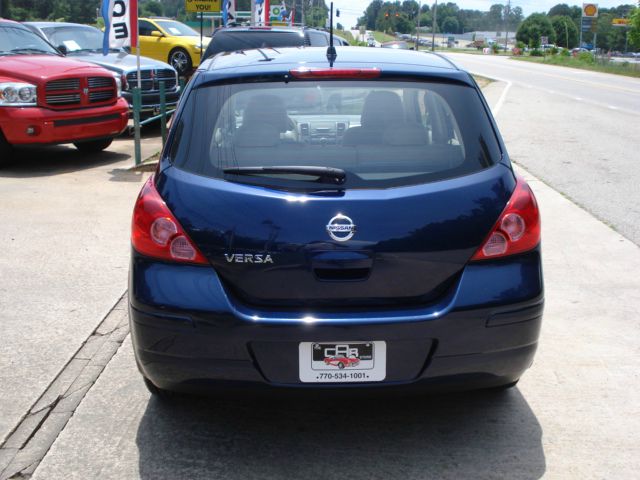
(381, 133)
(226, 41)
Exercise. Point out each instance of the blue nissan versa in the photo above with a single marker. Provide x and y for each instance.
(354, 225)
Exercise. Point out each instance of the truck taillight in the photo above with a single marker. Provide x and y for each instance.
(155, 232)
(517, 229)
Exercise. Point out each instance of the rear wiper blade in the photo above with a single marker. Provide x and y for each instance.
(335, 176)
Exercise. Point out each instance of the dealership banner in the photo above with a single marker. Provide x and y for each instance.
(120, 24)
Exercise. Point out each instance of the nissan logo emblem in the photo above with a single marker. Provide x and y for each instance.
(341, 228)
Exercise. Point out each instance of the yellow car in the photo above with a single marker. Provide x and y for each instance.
(172, 42)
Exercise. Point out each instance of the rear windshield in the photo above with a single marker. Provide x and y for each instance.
(380, 133)
(226, 41)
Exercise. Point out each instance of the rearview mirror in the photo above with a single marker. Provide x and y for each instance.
(156, 33)
(63, 49)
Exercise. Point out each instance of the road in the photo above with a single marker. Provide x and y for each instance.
(573, 415)
(582, 132)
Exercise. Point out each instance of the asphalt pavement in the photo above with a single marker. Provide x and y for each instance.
(574, 129)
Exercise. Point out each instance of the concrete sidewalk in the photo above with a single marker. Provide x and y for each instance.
(575, 414)
(65, 220)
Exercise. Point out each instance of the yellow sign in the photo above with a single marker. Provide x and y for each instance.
(620, 22)
(590, 10)
(203, 5)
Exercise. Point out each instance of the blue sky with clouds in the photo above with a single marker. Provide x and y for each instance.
(350, 10)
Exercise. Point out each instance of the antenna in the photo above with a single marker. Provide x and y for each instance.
(331, 50)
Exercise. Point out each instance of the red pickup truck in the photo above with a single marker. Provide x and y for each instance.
(46, 98)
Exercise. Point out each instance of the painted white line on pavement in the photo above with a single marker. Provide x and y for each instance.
(502, 98)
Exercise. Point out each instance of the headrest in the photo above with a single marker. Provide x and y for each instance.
(381, 109)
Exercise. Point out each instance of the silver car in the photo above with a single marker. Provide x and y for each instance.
(85, 43)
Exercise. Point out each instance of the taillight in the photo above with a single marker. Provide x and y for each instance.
(517, 229)
(155, 232)
(333, 73)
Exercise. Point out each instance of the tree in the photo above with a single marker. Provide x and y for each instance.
(495, 17)
(410, 9)
(566, 31)
(151, 8)
(450, 25)
(339, 26)
(371, 15)
(560, 10)
(535, 26)
(634, 32)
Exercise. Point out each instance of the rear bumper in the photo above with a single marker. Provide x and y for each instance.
(188, 334)
(65, 126)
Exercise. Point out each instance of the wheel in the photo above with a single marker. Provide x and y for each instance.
(93, 146)
(180, 60)
(6, 151)
(159, 393)
(340, 365)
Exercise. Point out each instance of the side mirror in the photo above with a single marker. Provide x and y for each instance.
(157, 34)
(63, 49)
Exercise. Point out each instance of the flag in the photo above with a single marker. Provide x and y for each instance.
(259, 18)
(120, 24)
(228, 12)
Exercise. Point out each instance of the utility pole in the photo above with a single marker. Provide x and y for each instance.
(417, 29)
(302, 12)
(433, 27)
(507, 11)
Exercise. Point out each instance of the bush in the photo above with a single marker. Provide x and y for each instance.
(495, 48)
(520, 45)
(536, 53)
(553, 51)
(586, 57)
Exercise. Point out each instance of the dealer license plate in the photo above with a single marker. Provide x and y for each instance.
(342, 362)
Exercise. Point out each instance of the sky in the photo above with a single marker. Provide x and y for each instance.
(350, 10)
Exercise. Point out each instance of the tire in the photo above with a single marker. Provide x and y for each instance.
(180, 60)
(93, 146)
(340, 365)
(159, 393)
(6, 151)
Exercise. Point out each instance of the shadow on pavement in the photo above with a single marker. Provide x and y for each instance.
(55, 160)
(470, 435)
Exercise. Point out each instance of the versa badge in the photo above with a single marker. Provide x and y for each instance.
(247, 258)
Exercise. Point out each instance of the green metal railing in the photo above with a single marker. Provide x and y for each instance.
(163, 117)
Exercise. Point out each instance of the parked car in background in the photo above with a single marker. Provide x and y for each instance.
(84, 42)
(231, 39)
(300, 209)
(46, 98)
(171, 41)
(396, 45)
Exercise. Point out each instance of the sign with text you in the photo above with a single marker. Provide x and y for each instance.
(120, 24)
(203, 6)
(589, 17)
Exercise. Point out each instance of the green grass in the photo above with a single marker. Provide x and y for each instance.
(629, 69)
(383, 37)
